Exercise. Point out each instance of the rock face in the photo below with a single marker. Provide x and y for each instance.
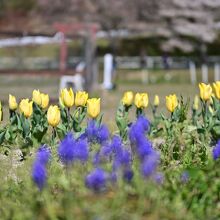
(177, 21)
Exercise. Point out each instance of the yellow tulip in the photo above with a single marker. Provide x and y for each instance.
(196, 103)
(205, 91)
(141, 100)
(128, 98)
(93, 107)
(12, 102)
(67, 97)
(216, 86)
(53, 115)
(26, 107)
(1, 112)
(171, 102)
(44, 100)
(156, 100)
(81, 98)
(36, 97)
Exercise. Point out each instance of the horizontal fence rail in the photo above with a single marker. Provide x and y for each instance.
(158, 62)
(151, 62)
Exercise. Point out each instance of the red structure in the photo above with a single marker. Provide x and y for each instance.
(77, 29)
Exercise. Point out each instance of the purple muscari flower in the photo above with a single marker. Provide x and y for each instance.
(96, 179)
(143, 122)
(144, 148)
(149, 165)
(39, 174)
(66, 149)
(83, 136)
(122, 159)
(103, 134)
(81, 150)
(184, 177)
(138, 129)
(43, 154)
(128, 175)
(114, 148)
(135, 133)
(106, 150)
(125, 157)
(92, 129)
(159, 178)
(109, 150)
(116, 144)
(216, 151)
(71, 150)
(96, 133)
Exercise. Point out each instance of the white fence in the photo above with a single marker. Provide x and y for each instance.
(152, 62)
(158, 62)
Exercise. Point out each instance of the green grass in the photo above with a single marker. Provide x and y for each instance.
(22, 86)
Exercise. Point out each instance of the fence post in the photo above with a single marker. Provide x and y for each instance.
(204, 73)
(108, 70)
(217, 72)
(192, 68)
(63, 53)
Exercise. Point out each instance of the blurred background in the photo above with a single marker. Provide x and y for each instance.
(108, 47)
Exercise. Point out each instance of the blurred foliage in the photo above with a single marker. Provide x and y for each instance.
(22, 6)
(66, 196)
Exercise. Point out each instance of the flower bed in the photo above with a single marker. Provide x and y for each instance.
(68, 165)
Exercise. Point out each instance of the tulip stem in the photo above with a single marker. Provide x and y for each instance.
(154, 111)
(68, 118)
(204, 112)
(139, 111)
(171, 116)
(53, 136)
(194, 119)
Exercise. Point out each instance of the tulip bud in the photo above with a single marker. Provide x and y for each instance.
(44, 100)
(156, 101)
(141, 100)
(216, 86)
(196, 103)
(93, 107)
(26, 107)
(61, 103)
(205, 91)
(36, 97)
(53, 115)
(171, 102)
(1, 112)
(67, 97)
(81, 98)
(127, 98)
(12, 102)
